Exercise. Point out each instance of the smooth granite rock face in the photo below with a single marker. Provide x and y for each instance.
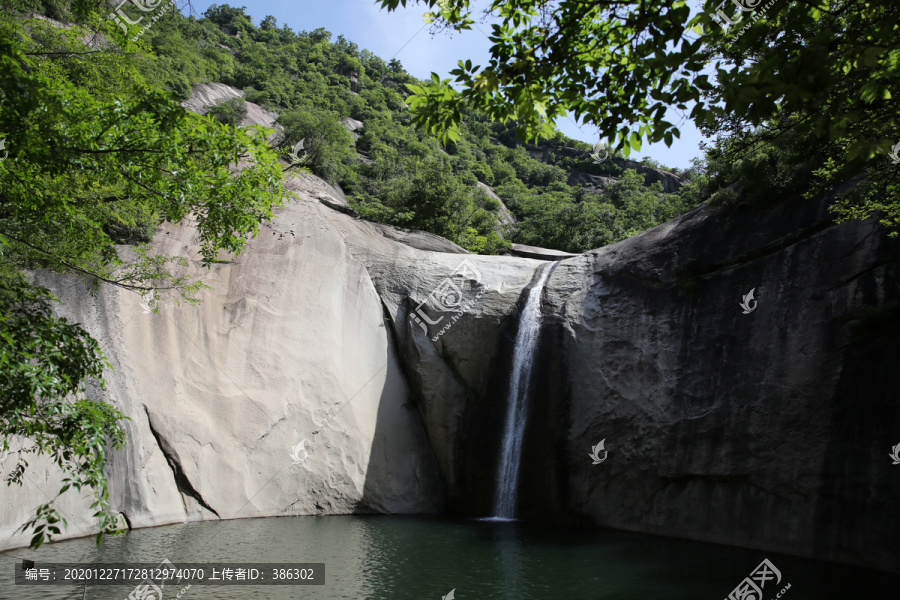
(206, 95)
(342, 366)
(506, 221)
(539, 253)
(290, 345)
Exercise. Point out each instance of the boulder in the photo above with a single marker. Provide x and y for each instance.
(506, 221)
(671, 182)
(593, 183)
(539, 253)
(206, 95)
(352, 125)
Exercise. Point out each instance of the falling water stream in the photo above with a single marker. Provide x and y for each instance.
(514, 428)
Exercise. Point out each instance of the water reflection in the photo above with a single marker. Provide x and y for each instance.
(398, 558)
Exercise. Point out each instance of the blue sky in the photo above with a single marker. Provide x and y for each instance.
(401, 34)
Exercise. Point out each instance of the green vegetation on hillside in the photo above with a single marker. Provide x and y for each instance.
(801, 97)
(395, 173)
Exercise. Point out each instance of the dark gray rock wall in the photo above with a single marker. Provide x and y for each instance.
(770, 429)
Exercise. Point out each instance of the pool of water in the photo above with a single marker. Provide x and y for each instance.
(418, 558)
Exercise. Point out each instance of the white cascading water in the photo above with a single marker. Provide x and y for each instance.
(514, 429)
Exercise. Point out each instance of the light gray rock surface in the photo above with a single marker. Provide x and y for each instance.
(597, 183)
(290, 344)
(353, 126)
(506, 220)
(593, 183)
(539, 253)
(206, 95)
(671, 182)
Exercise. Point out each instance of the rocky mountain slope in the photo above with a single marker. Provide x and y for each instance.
(319, 376)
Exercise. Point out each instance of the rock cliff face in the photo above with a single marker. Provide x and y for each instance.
(387, 354)
(772, 427)
(769, 429)
(206, 95)
(506, 220)
(671, 182)
(291, 344)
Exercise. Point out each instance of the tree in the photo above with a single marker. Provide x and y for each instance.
(325, 141)
(425, 194)
(826, 70)
(349, 65)
(225, 15)
(269, 22)
(93, 148)
(620, 63)
(231, 112)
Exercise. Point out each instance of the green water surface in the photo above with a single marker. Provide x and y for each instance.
(419, 558)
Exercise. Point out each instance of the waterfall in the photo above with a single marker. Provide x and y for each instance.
(514, 429)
